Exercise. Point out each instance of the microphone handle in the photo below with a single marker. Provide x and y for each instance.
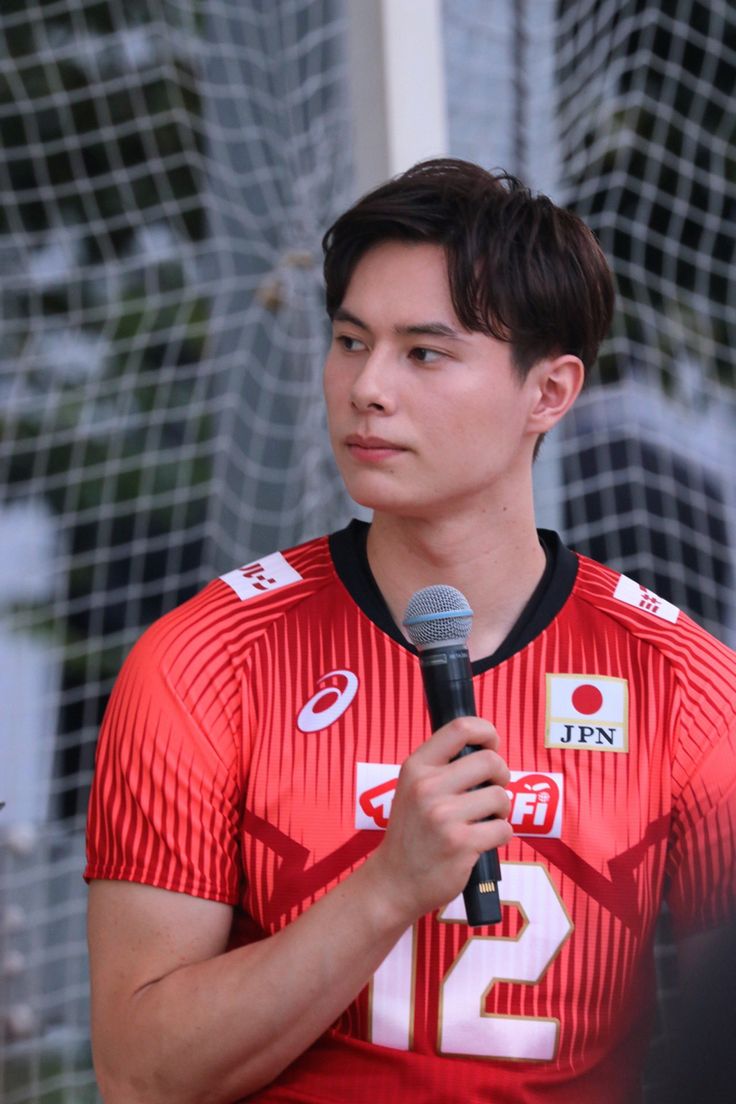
(448, 689)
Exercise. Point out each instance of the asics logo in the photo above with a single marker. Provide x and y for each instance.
(328, 704)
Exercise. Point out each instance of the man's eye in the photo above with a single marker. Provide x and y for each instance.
(425, 356)
(349, 344)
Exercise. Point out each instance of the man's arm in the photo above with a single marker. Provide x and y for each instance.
(176, 1018)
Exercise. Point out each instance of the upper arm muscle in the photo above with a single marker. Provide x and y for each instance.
(139, 934)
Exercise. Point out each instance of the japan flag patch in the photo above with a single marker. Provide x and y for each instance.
(587, 712)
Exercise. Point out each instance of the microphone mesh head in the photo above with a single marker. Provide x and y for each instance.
(437, 615)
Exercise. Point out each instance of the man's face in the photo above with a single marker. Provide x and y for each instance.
(426, 419)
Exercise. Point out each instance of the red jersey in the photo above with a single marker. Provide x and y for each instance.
(249, 756)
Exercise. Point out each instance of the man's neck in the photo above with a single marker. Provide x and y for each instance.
(496, 567)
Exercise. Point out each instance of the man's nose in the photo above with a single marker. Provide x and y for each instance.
(373, 387)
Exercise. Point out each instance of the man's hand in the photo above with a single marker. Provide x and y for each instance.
(439, 822)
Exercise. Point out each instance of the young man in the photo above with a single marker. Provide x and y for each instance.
(272, 914)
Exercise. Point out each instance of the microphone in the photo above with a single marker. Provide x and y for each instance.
(438, 621)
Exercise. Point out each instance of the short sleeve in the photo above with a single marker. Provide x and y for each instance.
(165, 795)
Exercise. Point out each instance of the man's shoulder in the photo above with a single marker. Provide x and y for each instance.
(641, 612)
(235, 608)
(277, 579)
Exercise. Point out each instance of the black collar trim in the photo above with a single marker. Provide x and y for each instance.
(348, 550)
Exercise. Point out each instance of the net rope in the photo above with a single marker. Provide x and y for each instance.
(167, 172)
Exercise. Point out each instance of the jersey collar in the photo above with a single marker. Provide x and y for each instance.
(348, 550)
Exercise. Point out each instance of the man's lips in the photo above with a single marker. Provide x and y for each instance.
(373, 448)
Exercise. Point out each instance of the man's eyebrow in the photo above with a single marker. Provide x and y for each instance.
(432, 329)
(342, 315)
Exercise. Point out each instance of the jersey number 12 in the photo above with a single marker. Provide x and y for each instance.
(464, 1028)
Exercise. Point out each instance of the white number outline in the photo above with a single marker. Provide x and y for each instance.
(393, 984)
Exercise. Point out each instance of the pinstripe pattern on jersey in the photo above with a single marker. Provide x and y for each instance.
(205, 784)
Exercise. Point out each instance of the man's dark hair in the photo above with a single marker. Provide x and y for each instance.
(520, 268)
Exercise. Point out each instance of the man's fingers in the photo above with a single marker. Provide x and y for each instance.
(486, 802)
(444, 744)
(477, 768)
(461, 769)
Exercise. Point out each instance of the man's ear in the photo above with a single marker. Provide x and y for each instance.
(557, 384)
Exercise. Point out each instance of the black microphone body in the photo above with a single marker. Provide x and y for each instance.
(448, 689)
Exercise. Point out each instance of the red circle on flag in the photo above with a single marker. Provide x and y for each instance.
(587, 699)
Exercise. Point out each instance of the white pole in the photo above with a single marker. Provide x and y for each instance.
(397, 75)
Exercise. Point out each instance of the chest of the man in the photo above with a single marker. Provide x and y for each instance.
(328, 728)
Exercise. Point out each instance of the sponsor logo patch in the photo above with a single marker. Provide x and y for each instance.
(536, 803)
(536, 799)
(376, 786)
(588, 712)
(634, 594)
(329, 703)
(270, 573)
